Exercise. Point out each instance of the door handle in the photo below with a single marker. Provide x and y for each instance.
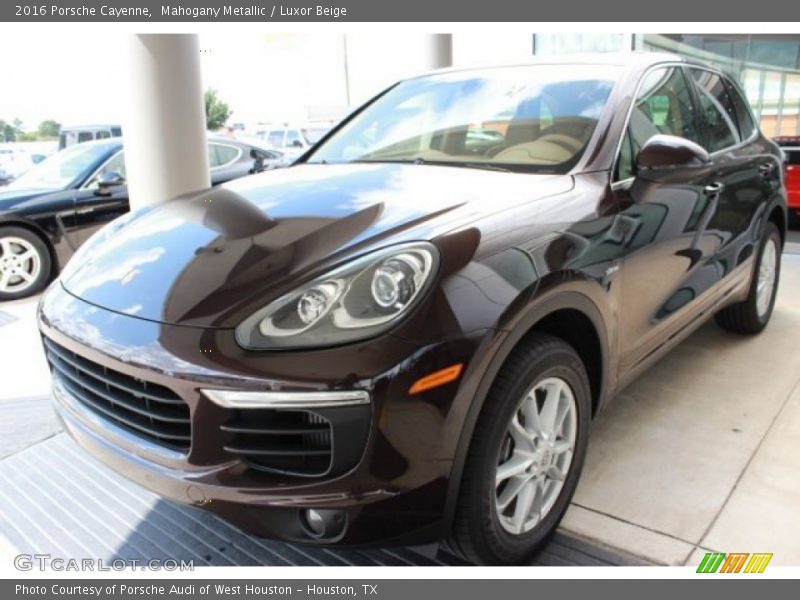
(714, 189)
(766, 169)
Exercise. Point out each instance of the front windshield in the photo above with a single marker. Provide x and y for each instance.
(528, 118)
(62, 168)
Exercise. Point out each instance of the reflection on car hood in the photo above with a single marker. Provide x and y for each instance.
(10, 198)
(211, 258)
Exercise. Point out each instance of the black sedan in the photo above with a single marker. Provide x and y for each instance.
(54, 207)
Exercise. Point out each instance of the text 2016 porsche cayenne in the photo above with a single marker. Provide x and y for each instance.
(405, 336)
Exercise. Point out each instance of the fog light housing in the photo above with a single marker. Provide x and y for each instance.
(323, 523)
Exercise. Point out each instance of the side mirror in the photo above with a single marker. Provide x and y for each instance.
(107, 181)
(669, 152)
(296, 144)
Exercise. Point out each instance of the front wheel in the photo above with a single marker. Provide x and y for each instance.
(24, 263)
(526, 454)
(752, 315)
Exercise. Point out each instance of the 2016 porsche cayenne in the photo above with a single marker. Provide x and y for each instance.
(405, 336)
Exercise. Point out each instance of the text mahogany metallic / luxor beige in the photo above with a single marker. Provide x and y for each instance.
(404, 336)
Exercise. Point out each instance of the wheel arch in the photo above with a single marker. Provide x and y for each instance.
(569, 315)
(777, 215)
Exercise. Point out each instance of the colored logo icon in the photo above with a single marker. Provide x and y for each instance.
(737, 562)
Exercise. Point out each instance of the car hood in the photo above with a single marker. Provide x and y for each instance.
(11, 198)
(212, 258)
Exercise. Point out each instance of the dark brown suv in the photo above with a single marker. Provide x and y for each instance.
(404, 336)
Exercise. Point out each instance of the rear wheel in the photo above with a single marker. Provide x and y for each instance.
(526, 454)
(752, 315)
(24, 263)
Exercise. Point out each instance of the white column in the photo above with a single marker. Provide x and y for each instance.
(441, 50)
(164, 129)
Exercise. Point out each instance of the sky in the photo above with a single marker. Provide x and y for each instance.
(264, 77)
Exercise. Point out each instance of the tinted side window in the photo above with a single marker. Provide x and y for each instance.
(115, 165)
(275, 138)
(717, 109)
(223, 154)
(662, 106)
(746, 125)
(293, 138)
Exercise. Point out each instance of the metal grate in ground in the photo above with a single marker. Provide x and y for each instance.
(25, 422)
(6, 318)
(56, 499)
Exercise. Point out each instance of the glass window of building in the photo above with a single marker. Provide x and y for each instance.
(567, 43)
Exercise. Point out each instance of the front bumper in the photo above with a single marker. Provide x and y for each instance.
(394, 490)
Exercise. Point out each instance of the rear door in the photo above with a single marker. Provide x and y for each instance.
(745, 174)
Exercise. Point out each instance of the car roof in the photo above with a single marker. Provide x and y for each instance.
(636, 59)
(114, 141)
(89, 126)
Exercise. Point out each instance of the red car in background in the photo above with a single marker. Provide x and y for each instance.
(791, 148)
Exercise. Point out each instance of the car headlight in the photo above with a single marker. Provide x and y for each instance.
(356, 301)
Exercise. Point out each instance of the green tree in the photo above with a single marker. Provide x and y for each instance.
(49, 128)
(217, 112)
(8, 133)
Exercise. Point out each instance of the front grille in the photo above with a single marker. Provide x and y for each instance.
(146, 409)
(281, 441)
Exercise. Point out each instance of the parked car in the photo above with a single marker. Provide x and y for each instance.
(78, 134)
(14, 161)
(791, 151)
(48, 212)
(404, 337)
(293, 141)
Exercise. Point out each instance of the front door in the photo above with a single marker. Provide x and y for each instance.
(94, 209)
(666, 273)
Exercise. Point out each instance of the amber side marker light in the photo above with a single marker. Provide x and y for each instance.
(436, 379)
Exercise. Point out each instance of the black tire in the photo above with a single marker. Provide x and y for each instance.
(477, 534)
(43, 255)
(743, 317)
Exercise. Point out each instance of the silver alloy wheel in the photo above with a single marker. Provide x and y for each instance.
(20, 264)
(765, 285)
(536, 455)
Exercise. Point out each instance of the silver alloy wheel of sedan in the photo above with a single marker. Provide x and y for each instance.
(767, 270)
(20, 264)
(536, 455)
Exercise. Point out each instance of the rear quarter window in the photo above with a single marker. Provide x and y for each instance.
(220, 155)
(743, 118)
